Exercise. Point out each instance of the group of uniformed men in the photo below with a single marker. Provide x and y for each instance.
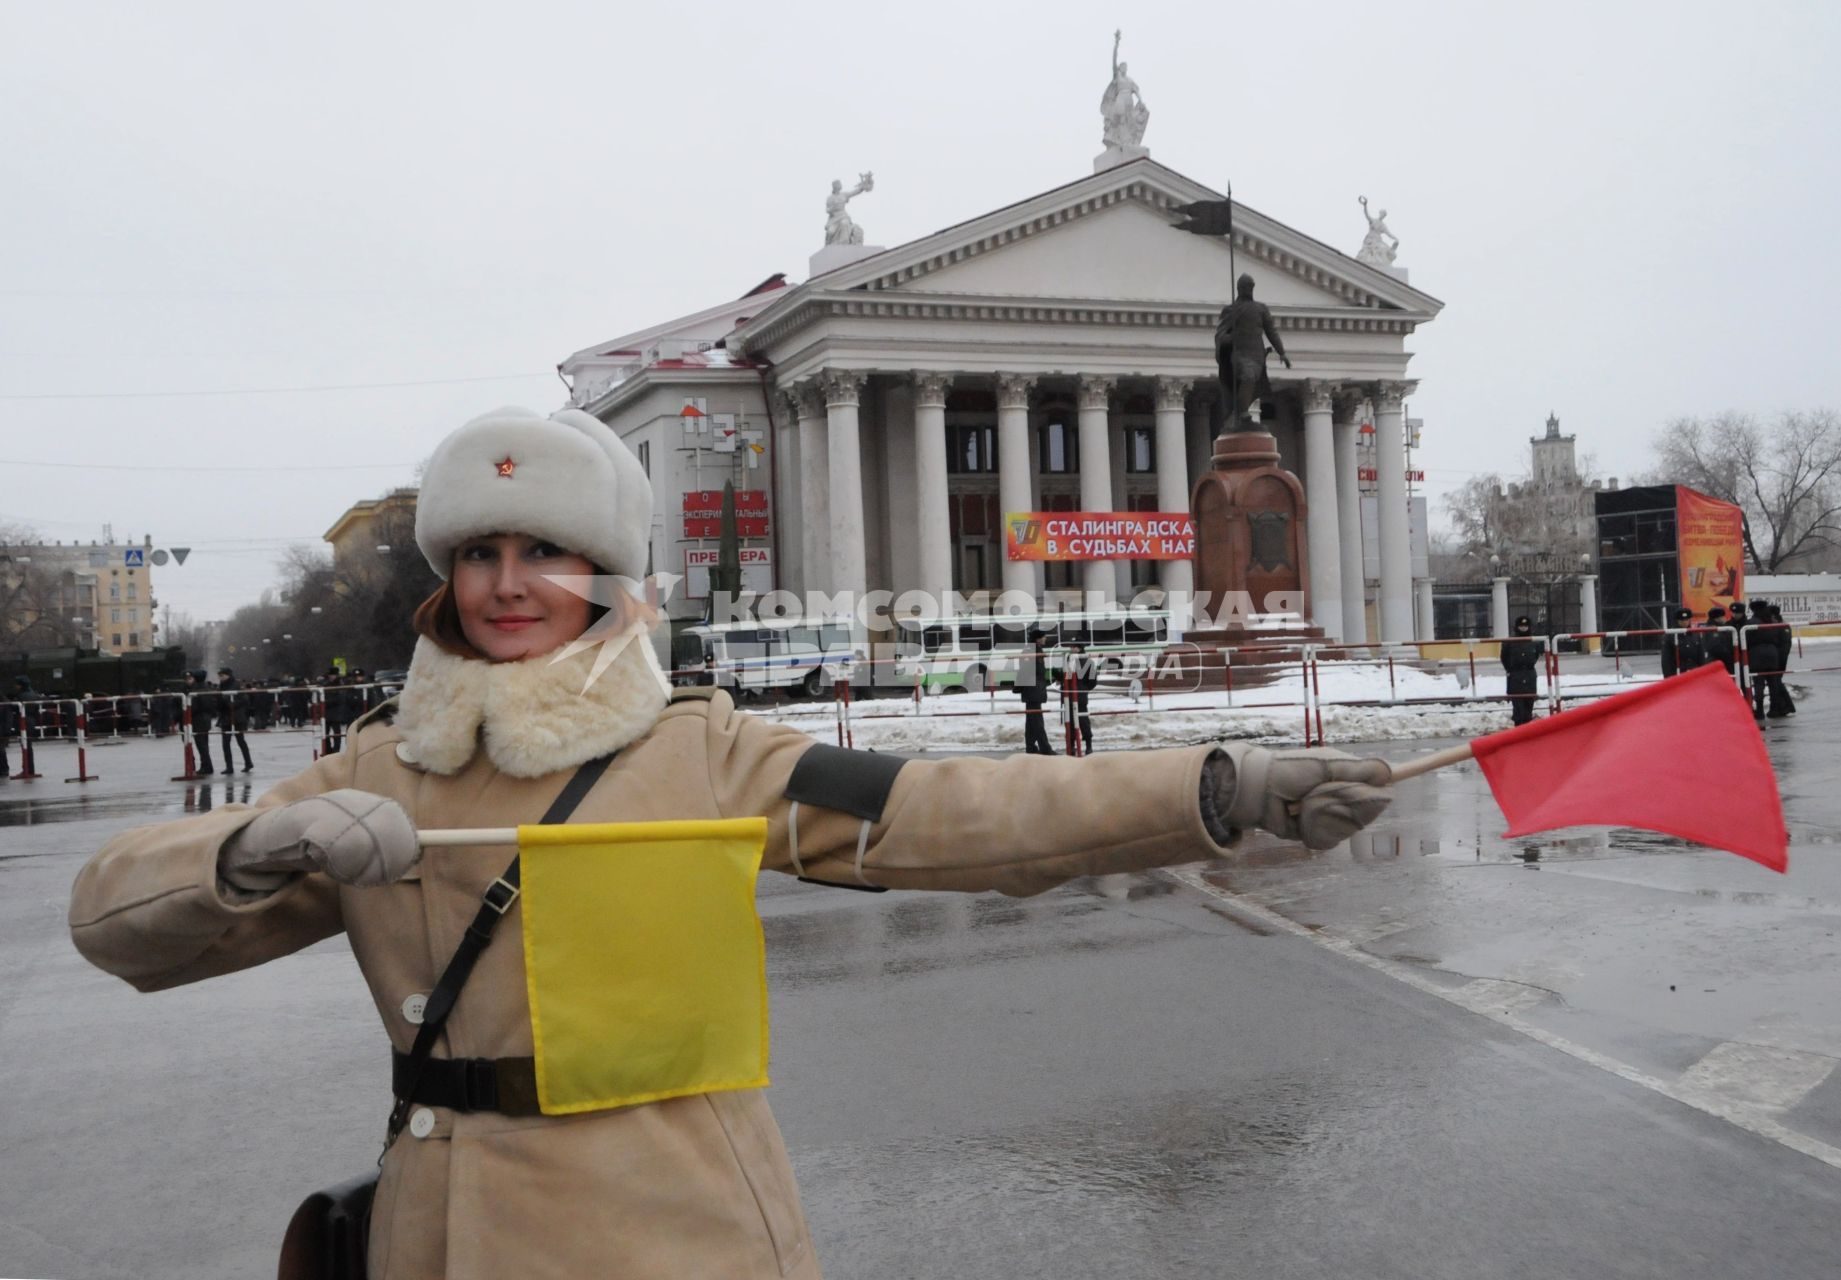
(1721, 638)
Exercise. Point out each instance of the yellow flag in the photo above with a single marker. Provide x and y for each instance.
(644, 960)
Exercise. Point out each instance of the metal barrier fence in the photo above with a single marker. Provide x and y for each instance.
(1570, 669)
(66, 720)
(1138, 675)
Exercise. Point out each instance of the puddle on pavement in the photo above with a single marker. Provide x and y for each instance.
(154, 806)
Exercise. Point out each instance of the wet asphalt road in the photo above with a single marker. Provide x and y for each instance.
(1420, 1055)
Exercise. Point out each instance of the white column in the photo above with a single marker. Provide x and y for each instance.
(1172, 396)
(844, 465)
(1428, 615)
(1499, 606)
(1588, 603)
(935, 530)
(814, 491)
(1095, 400)
(1322, 514)
(789, 573)
(1121, 569)
(1349, 523)
(1014, 492)
(1390, 483)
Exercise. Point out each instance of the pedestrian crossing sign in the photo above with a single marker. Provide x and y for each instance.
(134, 558)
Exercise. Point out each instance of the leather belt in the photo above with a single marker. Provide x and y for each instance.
(505, 1085)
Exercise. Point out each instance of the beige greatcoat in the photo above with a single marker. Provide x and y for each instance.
(692, 1187)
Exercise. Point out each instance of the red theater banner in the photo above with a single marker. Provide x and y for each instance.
(1711, 536)
(1099, 535)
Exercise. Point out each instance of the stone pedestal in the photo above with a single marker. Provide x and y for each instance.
(833, 256)
(1113, 157)
(1250, 535)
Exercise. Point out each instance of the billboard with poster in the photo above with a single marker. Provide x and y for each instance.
(1099, 535)
(1712, 549)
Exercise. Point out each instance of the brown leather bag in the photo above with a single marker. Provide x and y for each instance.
(329, 1233)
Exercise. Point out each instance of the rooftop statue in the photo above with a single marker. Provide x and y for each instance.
(839, 228)
(1375, 250)
(1122, 112)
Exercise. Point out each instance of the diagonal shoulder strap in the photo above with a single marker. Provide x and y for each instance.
(500, 894)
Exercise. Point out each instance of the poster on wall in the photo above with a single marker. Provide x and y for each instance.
(1711, 537)
(703, 513)
(757, 571)
(1099, 535)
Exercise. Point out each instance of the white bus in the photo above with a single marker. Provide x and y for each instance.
(751, 657)
(973, 653)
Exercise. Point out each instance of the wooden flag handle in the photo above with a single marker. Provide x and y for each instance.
(1426, 763)
(436, 838)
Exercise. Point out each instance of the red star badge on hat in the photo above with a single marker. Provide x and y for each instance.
(507, 466)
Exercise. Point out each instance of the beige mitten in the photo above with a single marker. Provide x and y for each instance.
(353, 836)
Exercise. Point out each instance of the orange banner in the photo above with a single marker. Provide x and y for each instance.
(1099, 535)
(1711, 536)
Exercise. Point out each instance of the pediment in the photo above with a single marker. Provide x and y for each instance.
(1126, 251)
(1107, 239)
(1130, 210)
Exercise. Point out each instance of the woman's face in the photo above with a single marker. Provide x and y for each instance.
(508, 608)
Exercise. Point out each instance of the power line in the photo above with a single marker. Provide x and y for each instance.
(269, 391)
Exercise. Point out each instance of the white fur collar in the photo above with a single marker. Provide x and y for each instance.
(536, 716)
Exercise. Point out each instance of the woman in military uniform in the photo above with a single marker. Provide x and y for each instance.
(491, 725)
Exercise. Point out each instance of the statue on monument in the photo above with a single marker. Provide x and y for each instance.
(1375, 250)
(839, 228)
(1240, 353)
(1122, 111)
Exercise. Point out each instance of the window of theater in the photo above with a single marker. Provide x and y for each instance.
(1140, 455)
(971, 450)
(974, 522)
(1058, 445)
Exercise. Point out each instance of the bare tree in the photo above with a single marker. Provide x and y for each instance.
(1786, 478)
(33, 612)
(181, 631)
(1489, 517)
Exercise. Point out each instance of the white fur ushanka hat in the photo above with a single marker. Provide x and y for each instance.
(566, 478)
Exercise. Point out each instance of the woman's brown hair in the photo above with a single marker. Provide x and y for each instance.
(438, 618)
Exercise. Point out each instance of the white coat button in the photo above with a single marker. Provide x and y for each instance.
(421, 1122)
(405, 756)
(413, 1007)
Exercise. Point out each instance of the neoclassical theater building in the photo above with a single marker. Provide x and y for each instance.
(1055, 354)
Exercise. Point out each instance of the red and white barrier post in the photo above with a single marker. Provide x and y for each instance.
(28, 759)
(83, 773)
(186, 735)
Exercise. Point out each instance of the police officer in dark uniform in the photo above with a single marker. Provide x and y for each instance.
(1771, 644)
(1682, 649)
(233, 717)
(1717, 644)
(1761, 655)
(1032, 686)
(204, 707)
(1521, 655)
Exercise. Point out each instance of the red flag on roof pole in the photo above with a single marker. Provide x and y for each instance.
(1681, 756)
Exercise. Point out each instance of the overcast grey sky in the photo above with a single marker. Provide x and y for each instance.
(1629, 209)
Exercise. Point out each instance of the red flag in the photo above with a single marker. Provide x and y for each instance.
(1681, 756)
